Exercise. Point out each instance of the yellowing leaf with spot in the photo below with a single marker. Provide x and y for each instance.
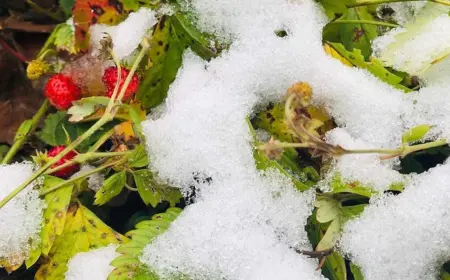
(82, 232)
(125, 130)
(55, 213)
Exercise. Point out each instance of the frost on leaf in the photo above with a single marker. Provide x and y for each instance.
(20, 219)
(83, 231)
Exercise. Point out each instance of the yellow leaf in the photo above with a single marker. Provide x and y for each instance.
(333, 53)
(125, 130)
(55, 214)
(82, 232)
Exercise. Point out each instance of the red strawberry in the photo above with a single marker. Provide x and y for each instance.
(110, 80)
(61, 91)
(67, 171)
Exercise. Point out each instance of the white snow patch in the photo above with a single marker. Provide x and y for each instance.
(92, 265)
(405, 236)
(20, 218)
(365, 168)
(127, 35)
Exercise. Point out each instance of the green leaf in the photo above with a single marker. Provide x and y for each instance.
(333, 7)
(165, 55)
(64, 38)
(331, 236)
(152, 192)
(328, 210)
(66, 6)
(335, 267)
(171, 36)
(82, 232)
(130, 5)
(138, 157)
(415, 133)
(191, 37)
(338, 186)
(3, 151)
(127, 264)
(53, 133)
(356, 271)
(374, 66)
(55, 213)
(111, 188)
(358, 36)
(350, 212)
(86, 107)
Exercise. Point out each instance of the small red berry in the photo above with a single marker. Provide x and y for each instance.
(61, 91)
(110, 79)
(67, 171)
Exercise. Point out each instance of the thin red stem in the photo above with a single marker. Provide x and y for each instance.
(17, 54)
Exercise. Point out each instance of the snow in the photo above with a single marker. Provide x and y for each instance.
(366, 168)
(92, 265)
(20, 219)
(414, 47)
(95, 181)
(244, 224)
(405, 236)
(127, 35)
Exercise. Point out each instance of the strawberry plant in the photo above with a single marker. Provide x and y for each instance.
(199, 139)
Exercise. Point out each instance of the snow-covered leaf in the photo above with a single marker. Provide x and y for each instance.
(128, 265)
(374, 66)
(82, 232)
(153, 192)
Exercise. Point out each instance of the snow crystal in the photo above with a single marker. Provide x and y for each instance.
(20, 219)
(367, 169)
(416, 46)
(92, 265)
(404, 236)
(127, 35)
(244, 224)
(95, 181)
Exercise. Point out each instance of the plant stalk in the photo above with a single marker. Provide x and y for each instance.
(376, 2)
(81, 176)
(372, 22)
(20, 141)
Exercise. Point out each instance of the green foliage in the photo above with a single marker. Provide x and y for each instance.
(128, 265)
(415, 133)
(66, 6)
(171, 36)
(86, 107)
(138, 157)
(82, 232)
(64, 38)
(111, 188)
(374, 66)
(356, 271)
(153, 192)
(334, 7)
(356, 35)
(55, 126)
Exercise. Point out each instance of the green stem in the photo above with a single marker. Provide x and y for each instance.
(21, 140)
(375, 151)
(355, 21)
(83, 175)
(86, 157)
(425, 146)
(130, 188)
(46, 12)
(376, 2)
(102, 140)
